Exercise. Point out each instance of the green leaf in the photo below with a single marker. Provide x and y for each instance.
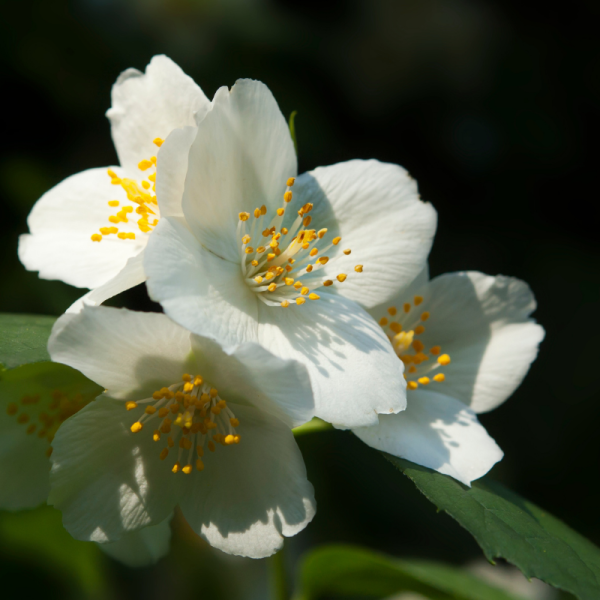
(343, 571)
(37, 536)
(510, 527)
(315, 424)
(292, 125)
(23, 339)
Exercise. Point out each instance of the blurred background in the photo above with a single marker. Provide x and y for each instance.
(492, 106)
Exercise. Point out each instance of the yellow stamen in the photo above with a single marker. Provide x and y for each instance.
(439, 377)
(136, 427)
(444, 359)
(358, 268)
(341, 277)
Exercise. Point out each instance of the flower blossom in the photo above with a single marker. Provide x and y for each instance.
(35, 404)
(91, 229)
(261, 255)
(181, 422)
(467, 341)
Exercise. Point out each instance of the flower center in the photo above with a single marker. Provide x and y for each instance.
(137, 193)
(278, 265)
(44, 416)
(404, 332)
(192, 416)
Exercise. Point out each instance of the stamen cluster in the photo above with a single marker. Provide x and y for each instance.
(192, 415)
(279, 268)
(141, 194)
(58, 410)
(410, 349)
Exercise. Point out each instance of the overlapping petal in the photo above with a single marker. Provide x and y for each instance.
(241, 158)
(61, 224)
(438, 432)
(149, 105)
(375, 208)
(251, 498)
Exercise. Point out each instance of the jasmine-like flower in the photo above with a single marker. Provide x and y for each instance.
(263, 256)
(91, 229)
(467, 341)
(181, 422)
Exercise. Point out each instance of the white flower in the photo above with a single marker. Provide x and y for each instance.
(467, 342)
(181, 423)
(36, 400)
(91, 229)
(261, 256)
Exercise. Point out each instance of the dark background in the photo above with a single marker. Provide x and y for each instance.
(492, 107)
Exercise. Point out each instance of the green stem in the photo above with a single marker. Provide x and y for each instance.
(278, 576)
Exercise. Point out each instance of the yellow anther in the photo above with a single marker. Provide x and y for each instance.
(112, 174)
(419, 329)
(314, 296)
(263, 210)
(164, 453)
(215, 410)
(341, 277)
(186, 377)
(406, 307)
(211, 446)
(347, 251)
(435, 350)
(31, 429)
(23, 418)
(412, 369)
(200, 451)
(304, 291)
(323, 260)
(237, 438)
(198, 380)
(199, 465)
(188, 387)
(234, 422)
(254, 263)
(395, 327)
(176, 467)
(114, 219)
(412, 385)
(152, 177)
(229, 439)
(425, 316)
(163, 412)
(150, 410)
(418, 345)
(336, 240)
(309, 268)
(205, 398)
(418, 300)
(305, 246)
(383, 321)
(249, 250)
(289, 280)
(290, 181)
(158, 142)
(260, 250)
(358, 268)
(256, 213)
(423, 380)
(273, 244)
(187, 469)
(272, 287)
(96, 237)
(321, 233)
(153, 160)
(246, 239)
(143, 165)
(444, 359)
(306, 221)
(298, 285)
(244, 216)
(420, 357)
(170, 442)
(113, 203)
(258, 279)
(280, 212)
(314, 252)
(213, 392)
(284, 230)
(392, 311)
(271, 257)
(174, 408)
(285, 304)
(156, 435)
(301, 300)
(136, 427)
(439, 377)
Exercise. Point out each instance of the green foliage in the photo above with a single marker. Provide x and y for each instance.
(292, 125)
(508, 526)
(23, 339)
(38, 535)
(346, 571)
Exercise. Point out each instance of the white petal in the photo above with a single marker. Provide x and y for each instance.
(62, 223)
(249, 374)
(375, 208)
(24, 465)
(483, 323)
(106, 480)
(150, 105)
(251, 495)
(438, 432)
(171, 169)
(354, 372)
(131, 275)
(241, 159)
(141, 548)
(131, 354)
(197, 289)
